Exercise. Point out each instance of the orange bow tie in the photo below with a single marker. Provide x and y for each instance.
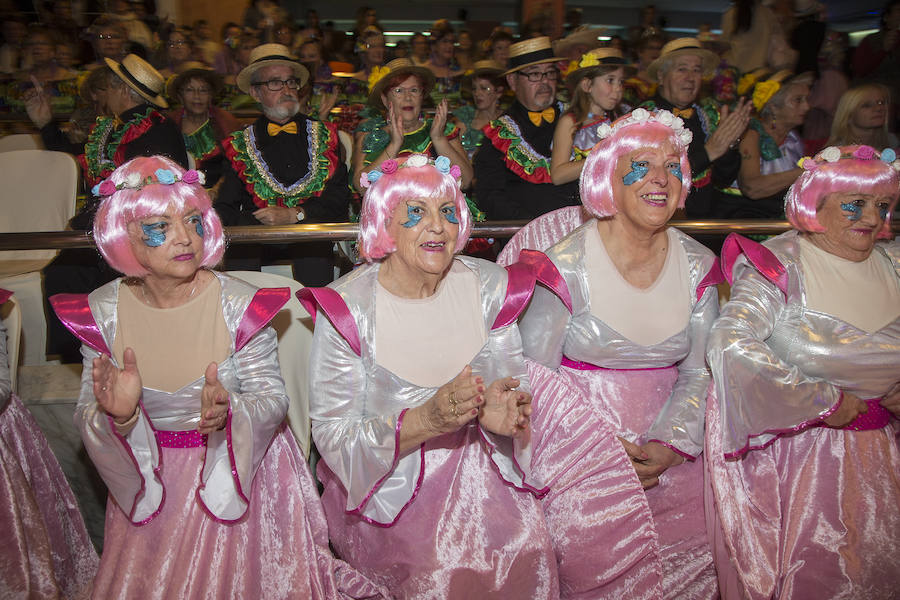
(548, 115)
(274, 129)
(685, 113)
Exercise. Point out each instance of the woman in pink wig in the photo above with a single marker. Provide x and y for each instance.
(802, 448)
(420, 404)
(617, 364)
(182, 407)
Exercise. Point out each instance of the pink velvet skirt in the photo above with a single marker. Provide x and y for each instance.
(46, 551)
(814, 515)
(278, 549)
(467, 534)
(612, 538)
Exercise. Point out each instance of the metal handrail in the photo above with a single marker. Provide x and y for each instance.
(317, 232)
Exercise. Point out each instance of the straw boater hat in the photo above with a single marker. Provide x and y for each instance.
(193, 70)
(141, 77)
(534, 51)
(398, 66)
(681, 47)
(482, 68)
(581, 35)
(269, 55)
(599, 57)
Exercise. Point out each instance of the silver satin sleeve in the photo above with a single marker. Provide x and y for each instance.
(757, 390)
(544, 326)
(356, 442)
(680, 423)
(258, 404)
(5, 379)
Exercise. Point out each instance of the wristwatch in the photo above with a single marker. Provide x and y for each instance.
(301, 214)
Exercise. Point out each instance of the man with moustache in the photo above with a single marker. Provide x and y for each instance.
(512, 167)
(284, 168)
(713, 153)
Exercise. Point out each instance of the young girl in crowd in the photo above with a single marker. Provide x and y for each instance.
(598, 87)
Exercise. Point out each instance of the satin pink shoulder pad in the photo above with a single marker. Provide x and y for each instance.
(761, 257)
(263, 307)
(519, 288)
(4, 295)
(546, 272)
(330, 302)
(714, 276)
(75, 313)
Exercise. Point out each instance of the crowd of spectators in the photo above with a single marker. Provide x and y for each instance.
(758, 40)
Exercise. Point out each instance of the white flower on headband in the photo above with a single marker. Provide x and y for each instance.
(642, 115)
(831, 154)
(417, 160)
(133, 180)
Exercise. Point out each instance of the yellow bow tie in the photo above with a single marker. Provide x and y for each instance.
(274, 129)
(548, 115)
(685, 113)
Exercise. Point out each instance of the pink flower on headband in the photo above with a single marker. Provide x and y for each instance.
(455, 172)
(864, 153)
(190, 176)
(389, 166)
(807, 164)
(107, 188)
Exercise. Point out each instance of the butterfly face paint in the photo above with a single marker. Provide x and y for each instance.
(154, 234)
(639, 170)
(198, 224)
(414, 214)
(675, 169)
(883, 211)
(854, 209)
(449, 213)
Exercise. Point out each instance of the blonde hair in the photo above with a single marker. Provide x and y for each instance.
(848, 105)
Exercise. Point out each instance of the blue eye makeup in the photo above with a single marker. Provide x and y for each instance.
(639, 169)
(414, 215)
(198, 224)
(675, 169)
(450, 214)
(854, 209)
(154, 233)
(883, 211)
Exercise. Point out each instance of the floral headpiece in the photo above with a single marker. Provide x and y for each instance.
(832, 154)
(134, 181)
(747, 81)
(378, 73)
(763, 92)
(642, 115)
(441, 163)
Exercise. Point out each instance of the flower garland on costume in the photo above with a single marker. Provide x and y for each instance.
(265, 190)
(642, 115)
(520, 157)
(104, 149)
(202, 143)
(832, 154)
(134, 181)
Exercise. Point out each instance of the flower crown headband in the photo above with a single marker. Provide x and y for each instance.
(135, 181)
(441, 163)
(832, 154)
(642, 115)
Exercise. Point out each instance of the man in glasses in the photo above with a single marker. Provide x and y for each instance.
(284, 168)
(512, 167)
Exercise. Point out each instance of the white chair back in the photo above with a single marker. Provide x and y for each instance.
(294, 327)
(21, 141)
(543, 232)
(11, 315)
(38, 194)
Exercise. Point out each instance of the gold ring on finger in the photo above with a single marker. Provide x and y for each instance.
(454, 411)
(453, 400)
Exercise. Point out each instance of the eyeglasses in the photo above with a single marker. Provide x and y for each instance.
(275, 85)
(197, 91)
(536, 76)
(399, 92)
(108, 36)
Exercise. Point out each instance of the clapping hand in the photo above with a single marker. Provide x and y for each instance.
(732, 125)
(506, 410)
(213, 402)
(440, 120)
(117, 390)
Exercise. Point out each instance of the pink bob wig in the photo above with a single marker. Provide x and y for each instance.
(390, 190)
(129, 205)
(596, 182)
(809, 192)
